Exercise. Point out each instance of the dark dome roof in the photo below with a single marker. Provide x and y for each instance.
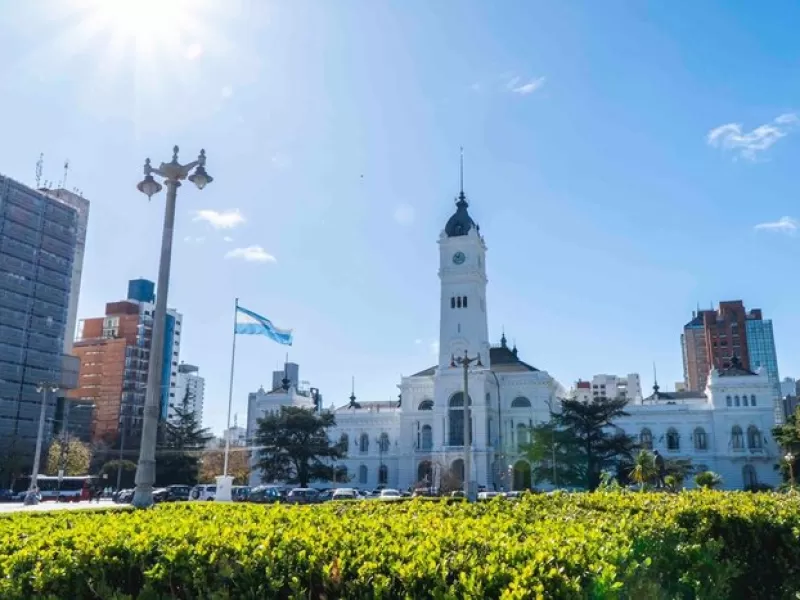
(460, 223)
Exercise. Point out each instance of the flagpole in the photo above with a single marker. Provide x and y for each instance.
(230, 394)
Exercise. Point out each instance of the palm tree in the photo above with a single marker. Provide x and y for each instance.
(644, 468)
(708, 480)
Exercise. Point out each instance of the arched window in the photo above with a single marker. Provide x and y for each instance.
(456, 416)
(383, 442)
(363, 443)
(457, 470)
(427, 437)
(754, 440)
(700, 439)
(736, 400)
(646, 439)
(344, 442)
(425, 472)
(425, 405)
(520, 402)
(744, 400)
(458, 302)
(752, 400)
(737, 438)
(673, 440)
(465, 302)
(341, 475)
(383, 475)
(362, 474)
(522, 435)
(728, 401)
(749, 477)
(488, 398)
(453, 302)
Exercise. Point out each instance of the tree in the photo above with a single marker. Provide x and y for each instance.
(212, 463)
(586, 441)
(788, 437)
(295, 445)
(182, 442)
(644, 468)
(72, 454)
(549, 447)
(708, 480)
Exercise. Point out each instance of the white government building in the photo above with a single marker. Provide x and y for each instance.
(421, 436)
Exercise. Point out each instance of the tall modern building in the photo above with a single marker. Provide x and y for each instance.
(713, 337)
(191, 383)
(38, 242)
(115, 356)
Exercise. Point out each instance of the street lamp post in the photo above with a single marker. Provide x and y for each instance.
(789, 458)
(173, 173)
(42, 388)
(464, 362)
(553, 440)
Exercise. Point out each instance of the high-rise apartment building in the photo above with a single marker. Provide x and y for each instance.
(192, 387)
(38, 241)
(713, 337)
(115, 356)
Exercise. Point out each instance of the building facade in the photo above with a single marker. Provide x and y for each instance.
(38, 241)
(191, 386)
(613, 386)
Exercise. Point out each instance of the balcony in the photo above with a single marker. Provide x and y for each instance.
(65, 234)
(14, 300)
(23, 217)
(51, 294)
(11, 335)
(55, 279)
(58, 248)
(24, 252)
(16, 283)
(59, 214)
(11, 317)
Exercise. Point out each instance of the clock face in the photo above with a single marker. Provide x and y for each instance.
(459, 258)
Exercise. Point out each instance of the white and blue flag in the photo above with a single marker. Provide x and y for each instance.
(250, 323)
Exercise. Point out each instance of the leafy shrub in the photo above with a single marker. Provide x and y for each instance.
(708, 480)
(700, 544)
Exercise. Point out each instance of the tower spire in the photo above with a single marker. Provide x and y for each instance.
(461, 172)
(353, 392)
(655, 381)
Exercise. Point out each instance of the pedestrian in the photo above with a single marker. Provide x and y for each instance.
(661, 470)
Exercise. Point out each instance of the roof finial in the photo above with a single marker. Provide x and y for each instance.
(286, 381)
(353, 392)
(655, 380)
(462, 173)
(503, 341)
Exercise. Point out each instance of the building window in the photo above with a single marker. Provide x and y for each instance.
(749, 477)
(522, 436)
(737, 438)
(646, 439)
(700, 441)
(728, 401)
(456, 416)
(362, 474)
(383, 442)
(736, 400)
(425, 405)
(465, 302)
(488, 398)
(453, 302)
(383, 475)
(754, 440)
(744, 400)
(520, 402)
(363, 443)
(752, 400)
(344, 442)
(458, 302)
(427, 437)
(673, 440)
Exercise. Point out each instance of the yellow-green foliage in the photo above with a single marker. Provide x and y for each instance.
(603, 545)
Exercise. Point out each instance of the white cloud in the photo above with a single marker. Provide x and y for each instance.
(251, 254)
(435, 347)
(418, 341)
(404, 214)
(525, 88)
(227, 91)
(748, 144)
(226, 219)
(227, 238)
(193, 51)
(782, 225)
(194, 240)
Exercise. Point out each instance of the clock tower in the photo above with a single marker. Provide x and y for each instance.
(462, 272)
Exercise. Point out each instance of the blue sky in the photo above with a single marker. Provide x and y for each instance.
(619, 158)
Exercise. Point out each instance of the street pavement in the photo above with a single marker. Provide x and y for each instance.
(12, 507)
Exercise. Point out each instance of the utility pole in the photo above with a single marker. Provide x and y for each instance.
(464, 362)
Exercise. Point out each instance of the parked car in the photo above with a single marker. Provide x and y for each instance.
(123, 496)
(265, 494)
(483, 496)
(204, 492)
(325, 495)
(239, 493)
(346, 494)
(390, 495)
(177, 493)
(302, 496)
(6, 496)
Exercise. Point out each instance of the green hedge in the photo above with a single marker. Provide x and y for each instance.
(601, 545)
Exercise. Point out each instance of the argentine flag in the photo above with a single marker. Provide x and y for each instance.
(250, 323)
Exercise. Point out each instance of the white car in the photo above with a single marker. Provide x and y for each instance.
(203, 492)
(489, 495)
(389, 495)
(345, 494)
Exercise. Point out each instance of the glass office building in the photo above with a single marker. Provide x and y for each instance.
(37, 249)
(762, 353)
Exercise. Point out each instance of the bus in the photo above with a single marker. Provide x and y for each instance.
(66, 489)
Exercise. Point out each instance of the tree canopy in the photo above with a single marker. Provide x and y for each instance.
(788, 436)
(212, 464)
(585, 440)
(182, 440)
(72, 454)
(295, 446)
